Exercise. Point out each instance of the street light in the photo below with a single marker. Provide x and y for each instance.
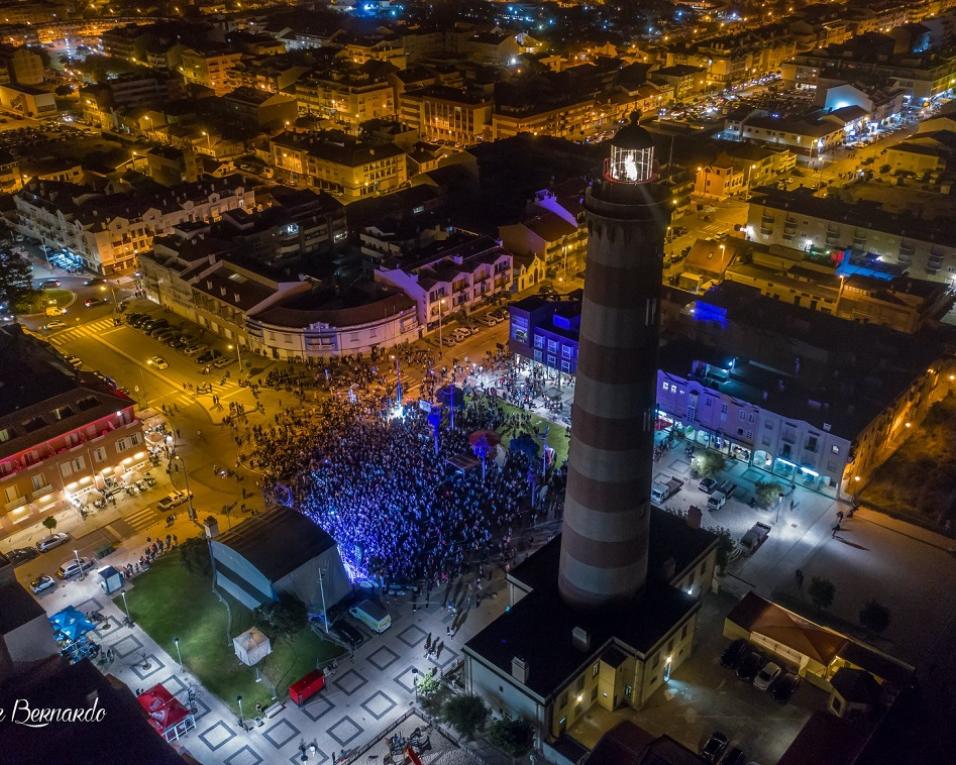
(241, 722)
(208, 144)
(189, 494)
(441, 304)
(238, 357)
(179, 653)
(129, 619)
(80, 564)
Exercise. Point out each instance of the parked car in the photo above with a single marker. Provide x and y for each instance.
(42, 583)
(48, 284)
(93, 302)
(223, 361)
(714, 747)
(158, 361)
(92, 281)
(54, 540)
(749, 666)
(347, 633)
(206, 357)
(21, 555)
(195, 350)
(449, 342)
(707, 485)
(765, 677)
(733, 653)
(755, 537)
(784, 687)
(74, 567)
(173, 499)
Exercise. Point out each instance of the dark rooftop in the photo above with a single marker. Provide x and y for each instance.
(17, 607)
(277, 542)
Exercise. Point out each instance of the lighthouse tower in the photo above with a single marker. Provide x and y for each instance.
(604, 541)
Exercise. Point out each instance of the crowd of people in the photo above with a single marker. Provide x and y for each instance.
(400, 510)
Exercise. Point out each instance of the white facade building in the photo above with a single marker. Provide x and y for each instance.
(109, 231)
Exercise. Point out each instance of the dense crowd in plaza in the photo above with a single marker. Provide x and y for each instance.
(398, 509)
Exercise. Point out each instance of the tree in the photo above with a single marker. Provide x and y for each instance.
(821, 592)
(766, 493)
(725, 546)
(466, 713)
(874, 616)
(286, 616)
(195, 556)
(50, 522)
(708, 463)
(515, 736)
(16, 274)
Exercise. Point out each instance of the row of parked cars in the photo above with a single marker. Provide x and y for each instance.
(454, 336)
(753, 667)
(177, 338)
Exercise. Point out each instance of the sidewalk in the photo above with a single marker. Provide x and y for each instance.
(905, 528)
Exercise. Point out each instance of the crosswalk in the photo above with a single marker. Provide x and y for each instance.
(141, 519)
(90, 329)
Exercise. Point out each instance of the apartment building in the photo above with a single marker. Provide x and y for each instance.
(739, 168)
(339, 164)
(20, 65)
(793, 362)
(302, 319)
(273, 74)
(808, 136)
(452, 275)
(854, 287)
(358, 49)
(101, 103)
(211, 65)
(348, 97)
(63, 433)
(926, 249)
(921, 76)
(109, 231)
(730, 60)
(448, 116)
(260, 108)
(561, 244)
(10, 178)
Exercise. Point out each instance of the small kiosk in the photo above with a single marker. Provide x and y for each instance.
(166, 714)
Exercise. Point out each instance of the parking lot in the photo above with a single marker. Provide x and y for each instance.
(702, 697)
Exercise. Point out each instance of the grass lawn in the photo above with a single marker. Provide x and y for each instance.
(918, 479)
(557, 435)
(38, 301)
(169, 601)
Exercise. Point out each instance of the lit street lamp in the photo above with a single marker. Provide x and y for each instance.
(129, 619)
(179, 653)
(189, 494)
(238, 357)
(441, 305)
(241, 721)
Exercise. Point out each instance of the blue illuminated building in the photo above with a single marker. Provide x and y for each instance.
(546, 331)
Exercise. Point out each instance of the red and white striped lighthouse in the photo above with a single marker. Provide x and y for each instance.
(604, 540)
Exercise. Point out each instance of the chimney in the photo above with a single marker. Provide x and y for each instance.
(581, 639)
(694, 516)
(519, 669)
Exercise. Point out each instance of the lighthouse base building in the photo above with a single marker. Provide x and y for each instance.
(551, 663)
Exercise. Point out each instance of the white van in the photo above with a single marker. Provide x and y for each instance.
(372, 615)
